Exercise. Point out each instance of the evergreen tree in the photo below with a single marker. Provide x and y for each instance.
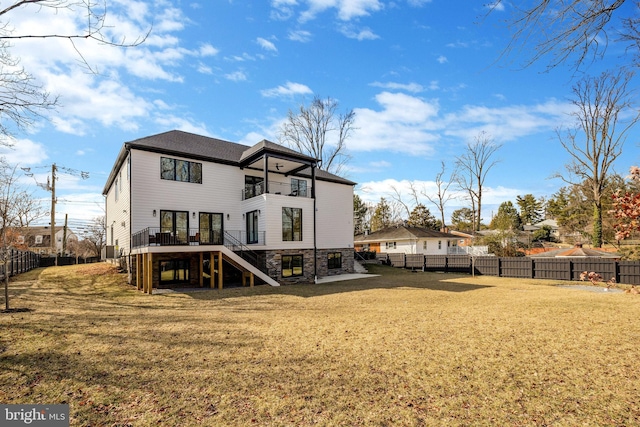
(507, 218)
(421, 217)
(462, 219)
(381, 217)
(531, 209)
(359, 215)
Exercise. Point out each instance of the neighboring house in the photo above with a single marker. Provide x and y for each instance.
(408, 240)
(464, 239)
(189, 210)
(551, 223)
(38, 239)
(577, 251)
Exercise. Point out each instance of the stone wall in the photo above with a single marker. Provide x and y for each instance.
(273, 261)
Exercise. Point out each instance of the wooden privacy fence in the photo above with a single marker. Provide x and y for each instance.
(18, 262)
(627, 272)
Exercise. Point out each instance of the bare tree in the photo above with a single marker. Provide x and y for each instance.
(604, 114)
(401, 205)
(95, 237)
(22, 99)
(472, 168)
(563, 29)
(320, 132)
(9, 191)
(442, 196)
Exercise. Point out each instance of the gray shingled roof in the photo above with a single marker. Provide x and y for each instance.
(185, 144)
(402, 232)
(273, 147)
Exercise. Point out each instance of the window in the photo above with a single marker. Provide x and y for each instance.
(180, 170)
(391, 245)
(291, 265)
(298, 187)
(174, 227)
(117, 188)
(291, 224)
(120, 176)
(334, 260)
(424, 245)
(38, 240)
(253, 186)
(439, 244)
(174, 271)
(252, 227)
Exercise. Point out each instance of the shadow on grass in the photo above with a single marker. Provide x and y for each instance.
(382, 277)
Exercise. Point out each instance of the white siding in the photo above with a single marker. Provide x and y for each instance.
(118, 209)
(221, 191)
(273, 221)
(334, 203)
(417, 246)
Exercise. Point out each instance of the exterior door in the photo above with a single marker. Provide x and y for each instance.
(174, 227)
(211, 228)
(252, 227)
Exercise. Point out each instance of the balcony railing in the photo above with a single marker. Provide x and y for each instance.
(286, 189)
(192, 237)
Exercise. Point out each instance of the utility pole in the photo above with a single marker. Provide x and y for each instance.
(64, 235)
(53, 213)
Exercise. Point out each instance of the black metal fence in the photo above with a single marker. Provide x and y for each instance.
(18, 262)
(66, 260)
(627, 272)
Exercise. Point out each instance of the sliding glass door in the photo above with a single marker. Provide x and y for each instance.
(211, 229)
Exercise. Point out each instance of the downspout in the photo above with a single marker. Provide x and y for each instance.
(315, 247)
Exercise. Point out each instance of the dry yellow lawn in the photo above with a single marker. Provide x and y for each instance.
(402, 349)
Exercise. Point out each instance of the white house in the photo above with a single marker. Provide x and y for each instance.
(38, 239)
(407, 240)
(189, 210)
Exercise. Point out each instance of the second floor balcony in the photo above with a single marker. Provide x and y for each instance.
(274, 187)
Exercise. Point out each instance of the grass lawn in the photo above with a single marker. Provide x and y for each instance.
(401, 349)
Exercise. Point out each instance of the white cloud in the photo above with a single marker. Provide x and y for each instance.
(408, 87)
(289, 89)
(496, 5)
(412, 125)
(24, 152)
(404, 124)
(300, 36)
(236, 76)
(508, 123)
(266, 44)
(181, 123)
(208, 50)
(346, 10)
(204, 69)
(363, 34)
(492, 197)
(442, 59)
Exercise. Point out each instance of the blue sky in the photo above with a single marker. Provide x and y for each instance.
(424, 78)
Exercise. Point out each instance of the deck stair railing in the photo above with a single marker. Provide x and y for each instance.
(247, 254)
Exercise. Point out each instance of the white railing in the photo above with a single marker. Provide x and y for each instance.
(468, 250)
